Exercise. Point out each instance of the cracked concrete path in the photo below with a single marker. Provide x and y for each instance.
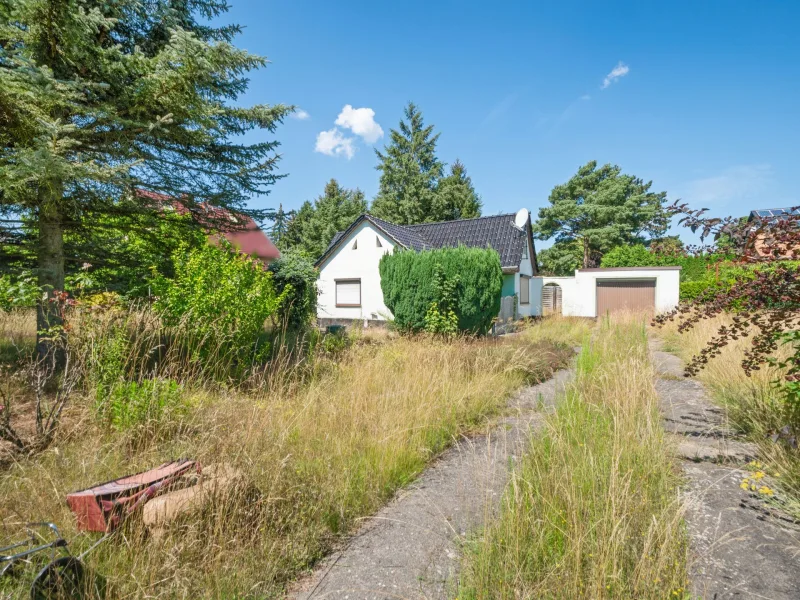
(740, 547)
(411, 548)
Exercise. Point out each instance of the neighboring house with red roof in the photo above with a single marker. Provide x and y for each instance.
(244, 233)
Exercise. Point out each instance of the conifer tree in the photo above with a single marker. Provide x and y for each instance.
(455, 196)
(100, 99)
(314, 226)
(599, 208)
(279, 224)
(410, 172)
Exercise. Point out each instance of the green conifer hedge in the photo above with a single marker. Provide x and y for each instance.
(408, 281)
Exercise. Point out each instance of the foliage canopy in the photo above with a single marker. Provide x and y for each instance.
(599, 208)
(100, 99)
(313, 227)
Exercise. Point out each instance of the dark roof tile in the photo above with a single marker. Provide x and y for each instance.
(498, 232)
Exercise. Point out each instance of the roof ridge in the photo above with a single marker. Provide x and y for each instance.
(459, 220)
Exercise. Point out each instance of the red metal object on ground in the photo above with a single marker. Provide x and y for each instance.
(102, 507)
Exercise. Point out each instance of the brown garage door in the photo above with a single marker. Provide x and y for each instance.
(625, 294)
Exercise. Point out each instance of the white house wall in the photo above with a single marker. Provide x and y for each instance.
(360, 263)
(579, 293)
(534, 307)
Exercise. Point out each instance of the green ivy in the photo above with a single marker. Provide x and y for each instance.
(441, 318)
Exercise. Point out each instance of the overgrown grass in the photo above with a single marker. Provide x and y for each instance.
(17, 334)
(593, 510)
(752, 404)
(317, 448)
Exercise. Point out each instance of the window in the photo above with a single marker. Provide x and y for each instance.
(348, 292)
(525, 249)
(524, 289)
(378, 242)
(355, 245)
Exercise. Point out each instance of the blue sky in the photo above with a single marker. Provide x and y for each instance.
(704, 101)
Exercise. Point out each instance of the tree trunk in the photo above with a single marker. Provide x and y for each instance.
(50, 258)
(587, 255)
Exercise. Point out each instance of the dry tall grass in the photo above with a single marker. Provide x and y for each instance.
(751, 403)
(593, 511)
(315, 457)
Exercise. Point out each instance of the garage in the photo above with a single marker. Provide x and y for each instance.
(597, 291)
(625, 294)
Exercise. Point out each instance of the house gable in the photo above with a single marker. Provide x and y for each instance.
(353, 262)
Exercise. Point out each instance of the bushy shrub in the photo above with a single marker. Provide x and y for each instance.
(693, 289)
(410, 286)
(224, 298)
(693, 268)
(296, 275)
(18, 292)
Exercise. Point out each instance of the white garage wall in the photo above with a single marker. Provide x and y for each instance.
(570, 304)
(579, 293)
(361, 263)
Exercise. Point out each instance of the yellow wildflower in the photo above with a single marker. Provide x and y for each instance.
(765, 490)
(759, 474)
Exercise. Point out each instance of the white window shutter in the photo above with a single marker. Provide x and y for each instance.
(348, 292)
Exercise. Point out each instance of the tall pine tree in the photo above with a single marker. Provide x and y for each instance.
(100, 99)
(279, 224)
(599, 208)
(455, 196)
(410, 172)
(314, 225)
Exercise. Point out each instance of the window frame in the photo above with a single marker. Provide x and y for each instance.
(336, 283)
(521, 279)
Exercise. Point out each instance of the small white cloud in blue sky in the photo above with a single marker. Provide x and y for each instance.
(586, 97)
(333, 143)
(619, 71)
(361, 121)
(300, 115)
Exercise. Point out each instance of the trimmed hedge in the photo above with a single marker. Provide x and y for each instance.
(693, 268)
(408, 283)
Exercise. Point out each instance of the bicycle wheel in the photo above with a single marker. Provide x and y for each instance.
(62, 579)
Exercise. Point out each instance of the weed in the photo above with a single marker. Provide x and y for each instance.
(593, 510)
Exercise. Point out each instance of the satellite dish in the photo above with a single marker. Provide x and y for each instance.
(522, 218)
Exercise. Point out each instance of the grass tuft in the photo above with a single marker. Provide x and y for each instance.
(751, 403)
(316, 447)
(593, 510)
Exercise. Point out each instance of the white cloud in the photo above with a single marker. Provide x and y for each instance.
(333, 143)
(300, 115)
(743, 182)
(619, 71)
(360, 121)
(586, 97)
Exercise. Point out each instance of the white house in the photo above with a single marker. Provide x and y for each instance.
(349, 280)
(350, 283)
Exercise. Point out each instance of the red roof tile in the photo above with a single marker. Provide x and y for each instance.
(245, 234)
